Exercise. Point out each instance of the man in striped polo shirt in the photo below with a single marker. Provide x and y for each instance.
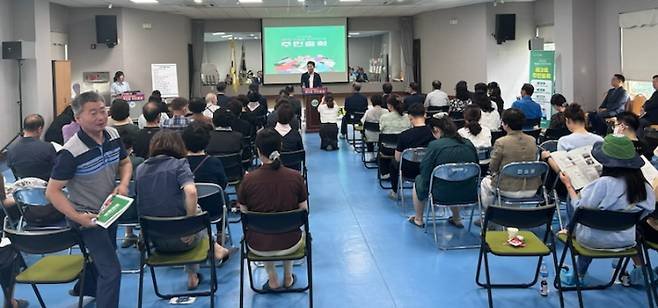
(87, 166)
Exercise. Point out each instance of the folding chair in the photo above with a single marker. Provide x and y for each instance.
(554, 186)
(50, 269)
(248, 153)
(604, 221)
(276, 223)
(484, 157)
(432, 110)
(296, 160)
(554, 134)
(495, 135)
(467, 174)
(525, 171)
(495, 242)
(176, 227)
(385, 152)
(409, 157)
(130, 218)
(37, 213)
(354, 120)
(371, 127)
(648, 245)
(233, 168)
(212, 201)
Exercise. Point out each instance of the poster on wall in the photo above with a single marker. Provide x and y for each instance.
(542, 77)
(164, 77)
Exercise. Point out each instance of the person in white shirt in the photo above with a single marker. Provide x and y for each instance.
(372, 115)
(328, 127)
(436, 98)
(119, 85)
(211, 105)
(478, 134)
(490, 118)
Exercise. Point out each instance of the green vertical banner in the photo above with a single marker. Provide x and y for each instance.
(542, 77)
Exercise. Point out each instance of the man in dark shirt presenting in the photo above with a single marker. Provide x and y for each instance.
(650, 116)
(415, 97)
(311, 79)
(29, 156)
(354, 103)
(419, 135)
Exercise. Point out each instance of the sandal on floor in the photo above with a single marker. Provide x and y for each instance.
(457, 224)
(267, 288)
(200, 279)
(294, 279)
(412, 220)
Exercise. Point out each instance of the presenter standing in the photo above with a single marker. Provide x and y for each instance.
(119, 85)
(311, 79)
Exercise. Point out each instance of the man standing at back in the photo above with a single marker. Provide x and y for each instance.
(88, 166)
(530, 109)
(436, 98)
(356, 102)
(29, 156)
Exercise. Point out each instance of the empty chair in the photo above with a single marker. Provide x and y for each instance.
(386, 152)
(409, 168)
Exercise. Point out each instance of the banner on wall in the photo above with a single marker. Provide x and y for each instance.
(542, 77)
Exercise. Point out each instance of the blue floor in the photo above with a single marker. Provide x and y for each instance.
(365, 254)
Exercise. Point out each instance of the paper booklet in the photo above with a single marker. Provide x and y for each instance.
(582, 168)
(113, 207)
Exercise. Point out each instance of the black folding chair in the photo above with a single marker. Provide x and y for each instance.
(233, 168)
(211, 200)
(386, 152)
(276, 223)
(612, 221)
(368, 127)
(296, 160)
(495, 135)
(484, 157)
(49, 269)
(495, 242)
(354, 120)
(535, 133)
(432, 110)
(176, 227)
(248, 152)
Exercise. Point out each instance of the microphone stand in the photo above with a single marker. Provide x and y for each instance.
(20, 105)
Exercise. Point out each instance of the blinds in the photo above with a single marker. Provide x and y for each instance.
(639, 44)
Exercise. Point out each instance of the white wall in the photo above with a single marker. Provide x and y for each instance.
(453, 52)
(509, 63)
(543, 12)
(8, 78)
(219, 53)
(362, 49)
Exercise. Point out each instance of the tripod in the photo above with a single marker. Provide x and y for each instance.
(20, 104)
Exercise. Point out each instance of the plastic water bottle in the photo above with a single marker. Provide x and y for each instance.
(543, 272)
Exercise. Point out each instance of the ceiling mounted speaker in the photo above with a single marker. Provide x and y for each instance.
(315, 5)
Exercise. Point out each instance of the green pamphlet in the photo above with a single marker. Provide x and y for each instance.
(112, 208)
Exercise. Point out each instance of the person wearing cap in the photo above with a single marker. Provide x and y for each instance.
(621, 187)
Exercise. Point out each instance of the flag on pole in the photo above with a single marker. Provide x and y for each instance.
(243, 64)
(233, 72)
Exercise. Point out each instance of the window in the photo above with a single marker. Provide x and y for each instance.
(639, 31)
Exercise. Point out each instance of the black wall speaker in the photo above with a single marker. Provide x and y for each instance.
(17, 50)
(106, 30)
(505, 27)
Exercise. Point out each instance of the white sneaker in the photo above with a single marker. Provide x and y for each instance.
(385, 176)
(392, 195)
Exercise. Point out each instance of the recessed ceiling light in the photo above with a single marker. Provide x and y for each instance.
(350, 0)
(301, 1)
(354, 33)
(144, 1)
(251, 34)
(198, 1)
(219, 33)
(250, 1)
(227, 36)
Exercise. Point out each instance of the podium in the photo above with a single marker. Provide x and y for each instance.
(135, 100)
(311, 110)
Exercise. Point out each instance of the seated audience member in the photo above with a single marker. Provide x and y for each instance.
(514, 147)
(372, 115)
(650, 107)
(121, 121)
(254, 111)
(69, 130)
(54, 131)
(393, 122)
(9, 263)
(493, 89)
(197, 108)
(211, 105)
(179, 120)
(273, 117)
(489, 117)
(448, 148)
(414, 97)
(237, 123)
(559, 104)
(531, 110)
(291, 140)
(419, 135)
(165, 188)
(273, 188)
(355, 103)
(436, 98)
(627, 125)
(205, 168)
(223, 140)
(621, 187)
(614, 102)
(29, 156)
(151, 114)
(479, 135)
(387, 90)
(254, 89)
(162, 108)
(328, 127)
(222, 99)
(460, 101)
(294, 102)
(575, 121)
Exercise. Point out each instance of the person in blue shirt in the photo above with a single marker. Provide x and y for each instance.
(530, 108)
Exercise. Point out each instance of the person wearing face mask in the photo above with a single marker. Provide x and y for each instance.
(627, 125)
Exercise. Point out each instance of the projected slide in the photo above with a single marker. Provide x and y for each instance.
(287, 49)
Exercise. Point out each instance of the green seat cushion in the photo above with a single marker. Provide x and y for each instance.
(197, 254)
(53, 269)
(497, 242)
(298, 254)
(651, 245)
(584, 251)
